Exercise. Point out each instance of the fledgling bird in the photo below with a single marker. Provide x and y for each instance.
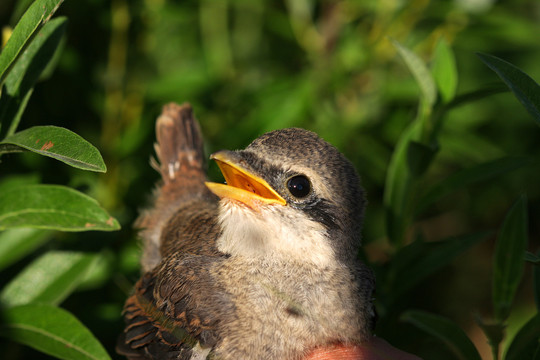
(262, 267)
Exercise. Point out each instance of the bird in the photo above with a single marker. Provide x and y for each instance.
(262, 266)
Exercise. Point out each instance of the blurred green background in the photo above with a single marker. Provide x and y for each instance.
(252, 66)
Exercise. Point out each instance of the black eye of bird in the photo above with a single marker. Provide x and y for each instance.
(299, 186)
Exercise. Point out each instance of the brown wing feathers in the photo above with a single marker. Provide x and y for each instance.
(163, 319)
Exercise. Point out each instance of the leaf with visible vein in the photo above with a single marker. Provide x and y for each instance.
(58, 143)
(48, 279)
(525, 89)
(52, 207)
(37, 14)
(51, 330)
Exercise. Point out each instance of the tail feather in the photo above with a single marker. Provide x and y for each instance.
(181, 163)
(180, 145)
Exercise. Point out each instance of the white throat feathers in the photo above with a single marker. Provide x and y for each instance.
(272, 232)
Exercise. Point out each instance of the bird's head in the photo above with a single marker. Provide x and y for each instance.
(289, 195)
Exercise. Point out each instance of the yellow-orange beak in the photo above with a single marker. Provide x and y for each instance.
(242, 185)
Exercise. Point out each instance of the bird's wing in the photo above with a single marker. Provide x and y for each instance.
(174, 312)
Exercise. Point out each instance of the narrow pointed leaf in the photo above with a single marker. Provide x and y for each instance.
(58, 143)
(509, 261)
(494, 332)
(466, 177)
(525, 89)
(398, 186)
(475, 95)
(444, 71)
(526, 341)
(52, 207)
(51, 330)
(420, 72)
(17, 243)
(536, 282)
(445, 330)
(37, 14)
(27, 70)
(532, 258)
(36, 56)
(419, 157)
(417, 261)
(49, 279)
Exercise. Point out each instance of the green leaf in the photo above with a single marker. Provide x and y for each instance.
(508, 263)
(494, 331)
(417, 261)
(446, 331)
(419, 157)
(58, 143)
(466, 177)
(20, 8)
(17, 243)
(9, 182)
(399, 185)
(13, 109)
(37, 14)
(27, 70)
(532, 258)
(420, 72)
(525, 89)
(52, 207)
(526, 342)
(444, 71)
(536, 282)
(476, 95)
(51, 330)
(49, 279)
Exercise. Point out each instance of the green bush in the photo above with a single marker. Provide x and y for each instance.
(416, 94)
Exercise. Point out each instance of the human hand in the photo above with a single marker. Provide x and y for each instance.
(374, 349)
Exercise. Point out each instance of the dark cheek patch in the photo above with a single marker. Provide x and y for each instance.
(321, 211)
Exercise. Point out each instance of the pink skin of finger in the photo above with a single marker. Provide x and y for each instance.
(375, 349)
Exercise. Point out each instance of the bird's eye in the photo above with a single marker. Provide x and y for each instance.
(299, 186)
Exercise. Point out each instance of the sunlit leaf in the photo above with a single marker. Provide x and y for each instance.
(27, 70)
(526, 341)
(58, 143)
(509, 262)
(526, 90)
(49, 279)
(52, 207)
(420, 72)
(37, 14)
(51, 330)
(446, 331)
(444, 71)
(17, 243)
(36, 56)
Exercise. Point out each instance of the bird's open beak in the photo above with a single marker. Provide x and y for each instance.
(242, 185)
